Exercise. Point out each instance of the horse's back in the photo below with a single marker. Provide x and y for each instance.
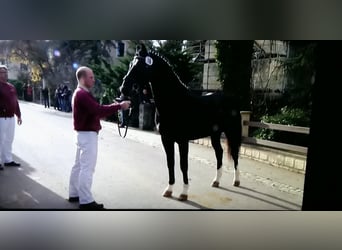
(196, 116)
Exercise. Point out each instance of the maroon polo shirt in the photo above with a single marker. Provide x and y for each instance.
(87, 112)
(9, 105)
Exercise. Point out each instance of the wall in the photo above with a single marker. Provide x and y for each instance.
(277, 158)
(210, 69)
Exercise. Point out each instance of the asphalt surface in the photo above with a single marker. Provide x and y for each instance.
(131, 173)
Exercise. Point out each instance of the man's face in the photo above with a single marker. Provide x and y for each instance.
(3, 75)
(89, 79)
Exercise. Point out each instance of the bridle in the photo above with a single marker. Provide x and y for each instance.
(148, 61)
(123, 135)
(126, 124)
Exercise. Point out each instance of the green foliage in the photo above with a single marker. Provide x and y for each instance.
(110, 78)
(18, 86)
(289, 116)
(181, 59)
(299, 76)
(286, 116)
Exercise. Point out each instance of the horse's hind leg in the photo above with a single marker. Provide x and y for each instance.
(183, 155)
(170, 156)
(236, 181)
(233, 144)
(216, 143)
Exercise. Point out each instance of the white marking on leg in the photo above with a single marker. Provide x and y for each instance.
(236, 175)
(169, 188)
(218, 174)
(185, 189)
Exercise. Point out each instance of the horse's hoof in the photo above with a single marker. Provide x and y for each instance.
(183, 197)
(167, 193)
(215, 184)
(236, 183)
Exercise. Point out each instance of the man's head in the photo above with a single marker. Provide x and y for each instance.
(3, 73)
(85, 77)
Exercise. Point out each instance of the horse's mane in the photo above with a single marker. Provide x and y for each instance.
(164, 59)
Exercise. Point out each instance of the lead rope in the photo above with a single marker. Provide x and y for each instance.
(126, 126)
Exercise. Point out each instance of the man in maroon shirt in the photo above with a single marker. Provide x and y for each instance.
(9, 107)
(86, 118)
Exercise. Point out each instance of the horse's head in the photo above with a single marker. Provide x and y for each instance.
(138, 71)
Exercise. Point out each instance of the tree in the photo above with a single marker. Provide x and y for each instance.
(300, 72)
(323, 187)
(73, 53)
(56, 61)
(234, 62)
(110, 78)
(110, 75)
(181, 56)
(32, 53)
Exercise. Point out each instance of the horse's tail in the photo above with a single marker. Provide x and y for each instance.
(233, 132)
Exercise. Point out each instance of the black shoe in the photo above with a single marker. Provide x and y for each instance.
(1, 167)
(12, 164)
(92, 206)
(74, 199)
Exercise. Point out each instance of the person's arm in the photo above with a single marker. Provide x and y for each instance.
(17, 109)
(93, 107)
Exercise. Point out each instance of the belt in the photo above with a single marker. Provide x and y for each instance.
(6, 116)
(97, 132)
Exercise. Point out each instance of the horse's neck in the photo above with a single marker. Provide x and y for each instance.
(168, 94)
(167, 89)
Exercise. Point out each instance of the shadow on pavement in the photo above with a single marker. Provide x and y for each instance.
(19, 191)
(271, 196)
(260, 199)
(191, 203)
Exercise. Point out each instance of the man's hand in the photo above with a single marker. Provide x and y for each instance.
(20, 121)
(125, 105)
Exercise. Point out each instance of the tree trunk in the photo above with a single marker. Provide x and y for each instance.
(234, 59)
(323, 180)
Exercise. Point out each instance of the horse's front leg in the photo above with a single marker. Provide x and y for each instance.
(183, 155)
(170, 157)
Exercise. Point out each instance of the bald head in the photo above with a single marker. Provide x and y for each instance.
(85, 77)
(2, 66)
(81, 72)
(3, 73)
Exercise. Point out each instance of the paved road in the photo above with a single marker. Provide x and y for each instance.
(131, 173)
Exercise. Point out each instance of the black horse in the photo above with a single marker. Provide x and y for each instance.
(184, 116)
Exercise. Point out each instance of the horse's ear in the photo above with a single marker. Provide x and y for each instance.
(141, 50)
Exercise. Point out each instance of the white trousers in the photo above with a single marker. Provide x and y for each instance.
(7, 126)
(82, 172)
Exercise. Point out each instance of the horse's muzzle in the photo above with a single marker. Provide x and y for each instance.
(122, 98)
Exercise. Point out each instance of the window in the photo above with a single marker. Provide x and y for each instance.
(120, 49)
(23, 67)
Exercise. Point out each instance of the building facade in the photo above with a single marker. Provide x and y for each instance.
(268, 70)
